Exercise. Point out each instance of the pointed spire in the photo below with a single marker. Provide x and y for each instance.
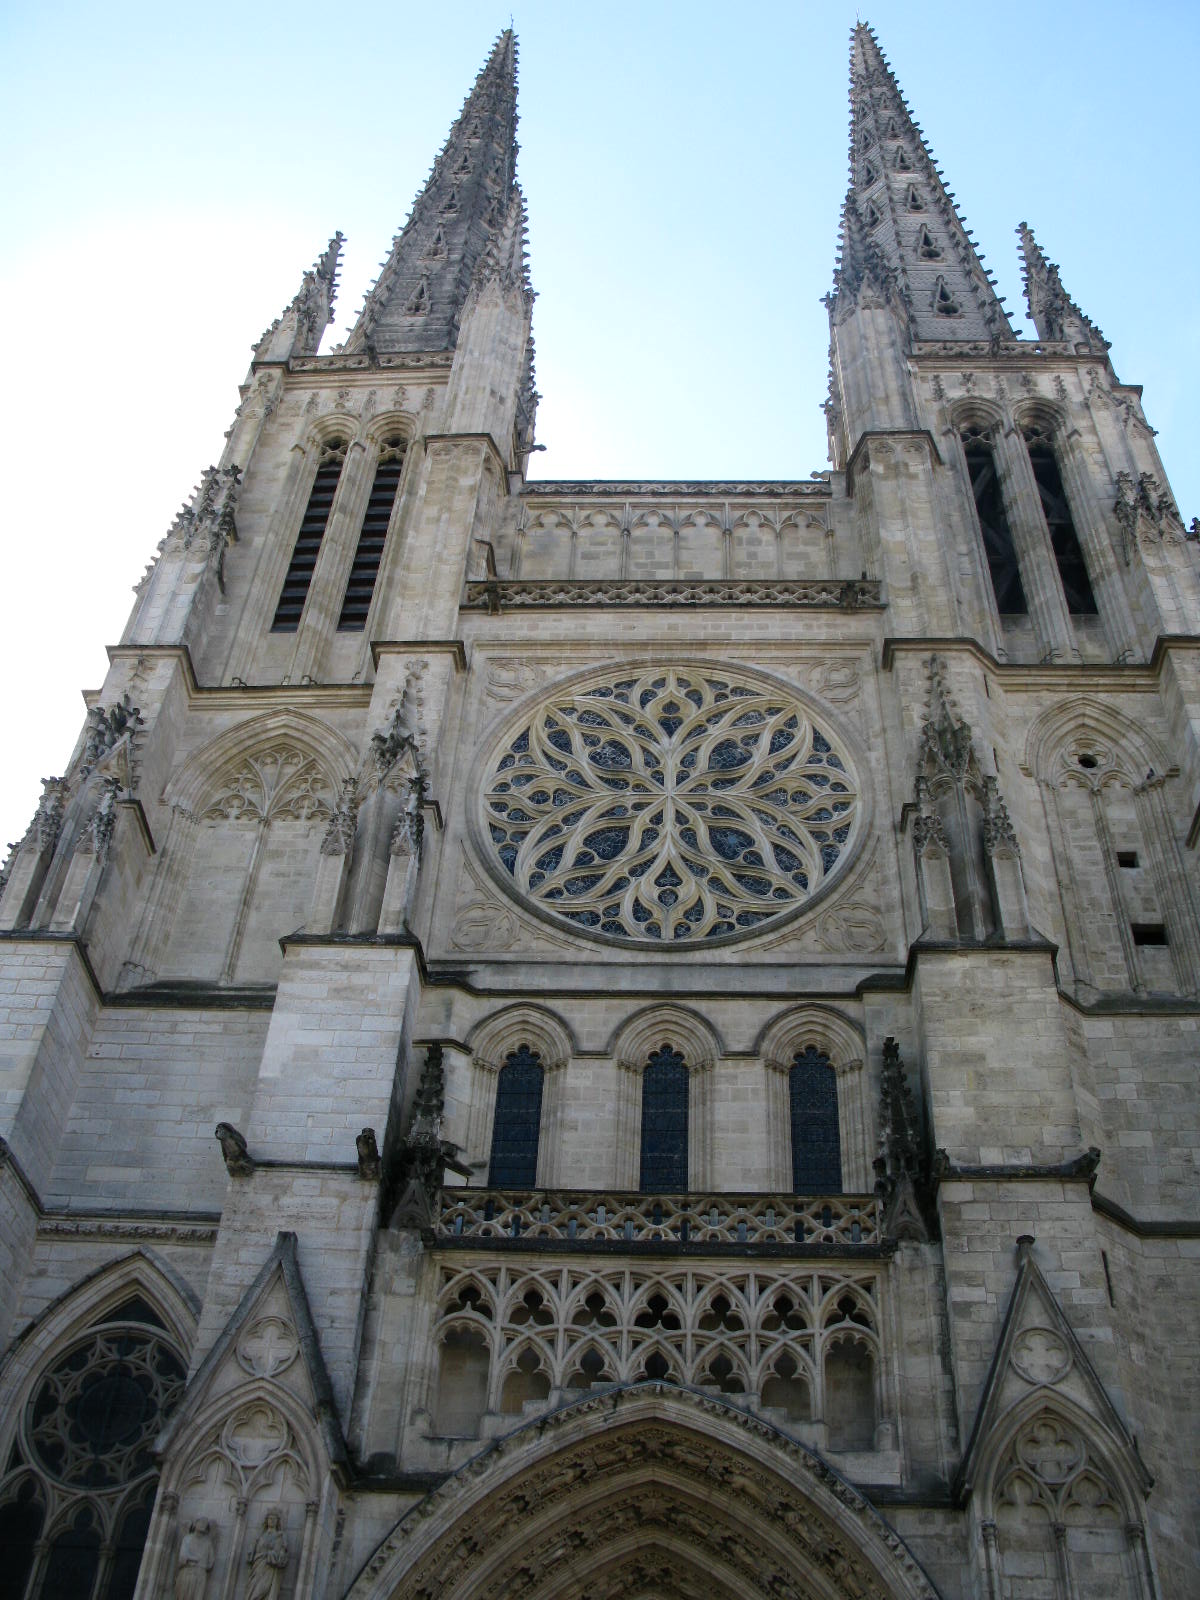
(298, 331)
(1051, 310)
(906, 215)
(464, 213)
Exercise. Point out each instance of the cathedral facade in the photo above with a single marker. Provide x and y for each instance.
(695, 984)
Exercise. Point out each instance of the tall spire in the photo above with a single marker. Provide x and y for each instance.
(298, 331)
(899, 214)
(1052, 311)
(458, 217)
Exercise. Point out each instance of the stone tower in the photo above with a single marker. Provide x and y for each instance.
(695, 983)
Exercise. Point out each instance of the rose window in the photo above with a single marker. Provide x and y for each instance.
(93, 1421)
(671, 804)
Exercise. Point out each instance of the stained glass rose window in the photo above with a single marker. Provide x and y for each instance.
(670, 804)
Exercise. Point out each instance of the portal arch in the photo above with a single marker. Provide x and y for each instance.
(645, 1489)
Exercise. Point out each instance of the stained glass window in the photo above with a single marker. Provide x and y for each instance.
(816, 1146)
(517, 1120)
(664, 1167)
(670, 805)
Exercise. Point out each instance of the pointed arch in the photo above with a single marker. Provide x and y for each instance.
(536, 1036)
(640, 1475)
(191, 788)
(649, 1030)
(786, 1039)
(247, 810)
(88, 1387)
(1069, 727)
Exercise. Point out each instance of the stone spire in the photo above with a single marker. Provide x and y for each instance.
(462, 214)
(900, 219)
(1052, 311)
(298, 331)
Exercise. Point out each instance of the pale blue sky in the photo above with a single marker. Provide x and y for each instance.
(169, 173)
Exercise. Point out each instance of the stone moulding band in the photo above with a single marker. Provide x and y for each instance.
(585, 1217)
(843, 594)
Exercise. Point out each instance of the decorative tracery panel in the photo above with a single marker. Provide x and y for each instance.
(800, 1342)
(672, 804)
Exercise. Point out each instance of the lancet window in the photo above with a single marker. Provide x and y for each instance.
(517, 1120)
(308, 540)
(360, 587)
(664, 1149)
(1072, 569)
(813, 1112)
(998, 544)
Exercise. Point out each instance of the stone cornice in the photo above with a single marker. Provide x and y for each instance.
(1126, 676)
(510, 594)
(428, 647)
(414, 361)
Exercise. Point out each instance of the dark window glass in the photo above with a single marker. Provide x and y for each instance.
(664, 1167)
(127, 1557)
(74, 1559)
(518, 1117)
(1072, 569)
(816, 1147)
(993, 525)
(20, 1528)
(308, 540)
(361, 584)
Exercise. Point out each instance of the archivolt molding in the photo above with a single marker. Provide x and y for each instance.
(818, 1026)
(387, 424)
(492, 1040)
(973, 412)
(681, 1028)
(1086, 726)
(200, 781)
(622, 1482)
(1040, 413)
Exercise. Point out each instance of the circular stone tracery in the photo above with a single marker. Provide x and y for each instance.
(670, 804)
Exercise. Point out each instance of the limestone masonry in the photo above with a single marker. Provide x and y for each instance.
(695, 984)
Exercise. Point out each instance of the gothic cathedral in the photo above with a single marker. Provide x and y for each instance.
(695, 984)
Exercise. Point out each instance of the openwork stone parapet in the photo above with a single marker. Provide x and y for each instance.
(610, 489)
(845, 594)
(697, 1222)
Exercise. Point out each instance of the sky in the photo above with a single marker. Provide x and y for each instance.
(169, 172)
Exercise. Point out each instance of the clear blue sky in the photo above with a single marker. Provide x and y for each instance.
(169, 172)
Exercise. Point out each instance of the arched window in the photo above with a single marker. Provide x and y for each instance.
(84, 1449)
(998, 544)
(360, 586)
(308, 540)
(517, 1120)
(664, 1163)
(816, 1140)
(1072, 569)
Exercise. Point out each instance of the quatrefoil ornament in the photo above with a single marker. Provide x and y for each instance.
(671, 805)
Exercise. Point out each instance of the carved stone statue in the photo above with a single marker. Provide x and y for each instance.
(196, 1556)
(267, 1560)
